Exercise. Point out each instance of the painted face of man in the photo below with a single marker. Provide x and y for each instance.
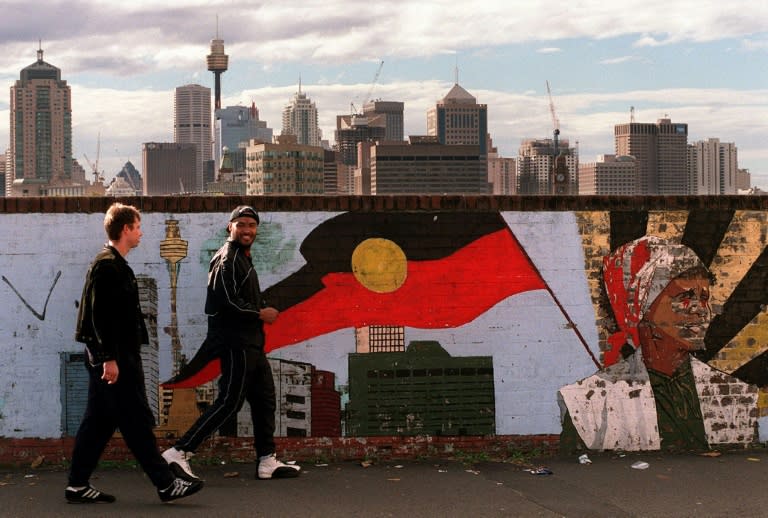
(243, 230)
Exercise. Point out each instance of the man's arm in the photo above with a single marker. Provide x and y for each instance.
(104, 300)
(227, 282)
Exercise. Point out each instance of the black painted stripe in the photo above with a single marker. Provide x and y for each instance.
(746, 301)
(755, 371)
(627, 226)
(704, 231)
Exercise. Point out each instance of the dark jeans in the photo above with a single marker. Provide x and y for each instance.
(124, 406)
(245, 375)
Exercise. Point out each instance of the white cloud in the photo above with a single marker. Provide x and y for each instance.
(172, 34)
(618, 60)
(120, 58)
(754, 44)
(650, 41)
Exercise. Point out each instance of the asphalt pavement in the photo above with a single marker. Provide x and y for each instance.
(672, 485)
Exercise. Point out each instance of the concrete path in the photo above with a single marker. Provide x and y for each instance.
(732, 484)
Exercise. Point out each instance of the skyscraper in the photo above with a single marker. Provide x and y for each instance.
(236, 124)
(4, 182)
(192, 125)
(661, 152)
(609, 175)
(392, 111)
(168, 168)
(300, 119)
(425, 166)
(41, 130)
(535, 164)
(351, 129)
(713, 166)
(458, 119)
(502, 172)
(284, 167)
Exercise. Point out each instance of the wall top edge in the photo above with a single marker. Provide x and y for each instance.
(195, 204)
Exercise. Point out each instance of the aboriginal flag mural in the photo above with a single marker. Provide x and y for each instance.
(430, 270)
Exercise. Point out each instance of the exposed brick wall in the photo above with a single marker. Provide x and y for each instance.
(57, 452)
(223, 204)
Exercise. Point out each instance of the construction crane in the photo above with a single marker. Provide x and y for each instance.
(560, 175)
(97, 176)
(367, 96)
(373, 83)
(555, 121)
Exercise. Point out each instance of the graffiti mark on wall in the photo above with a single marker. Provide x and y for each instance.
(40, 316)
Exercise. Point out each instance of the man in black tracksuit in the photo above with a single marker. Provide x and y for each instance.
(111, 326)
(236, 316)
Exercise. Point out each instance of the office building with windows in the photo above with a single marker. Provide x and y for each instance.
(41, 131)
(192, 125)
(661, 150)
(300, 119)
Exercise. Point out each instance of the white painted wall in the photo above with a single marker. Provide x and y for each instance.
(534, 352)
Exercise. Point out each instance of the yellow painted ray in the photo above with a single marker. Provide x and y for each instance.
(748, 343)
(742, 243)
(762, 401)
(595, 230)
(667, 224)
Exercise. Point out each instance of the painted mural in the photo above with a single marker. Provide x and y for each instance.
(619, 330)
(659, 294)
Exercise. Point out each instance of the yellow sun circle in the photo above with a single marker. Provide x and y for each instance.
(379, 265)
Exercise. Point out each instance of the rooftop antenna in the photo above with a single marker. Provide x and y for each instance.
(631, 114)
(456, 70)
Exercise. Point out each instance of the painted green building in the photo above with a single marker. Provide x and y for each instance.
(423, 390)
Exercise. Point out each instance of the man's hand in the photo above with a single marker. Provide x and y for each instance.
(268, 315)
(110, 372)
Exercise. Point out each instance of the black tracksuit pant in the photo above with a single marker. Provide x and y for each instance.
(245, 375)
(122, 405)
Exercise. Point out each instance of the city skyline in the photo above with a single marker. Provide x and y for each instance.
(699, 63)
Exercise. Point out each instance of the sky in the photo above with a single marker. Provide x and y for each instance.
(702, 62)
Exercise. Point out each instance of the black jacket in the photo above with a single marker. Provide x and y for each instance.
(233, 299)
(109, 320)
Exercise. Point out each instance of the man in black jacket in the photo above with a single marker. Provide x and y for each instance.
(236, 315)
(111, 326)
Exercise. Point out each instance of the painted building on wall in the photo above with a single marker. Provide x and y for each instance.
(531, 310)
(422, 391)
